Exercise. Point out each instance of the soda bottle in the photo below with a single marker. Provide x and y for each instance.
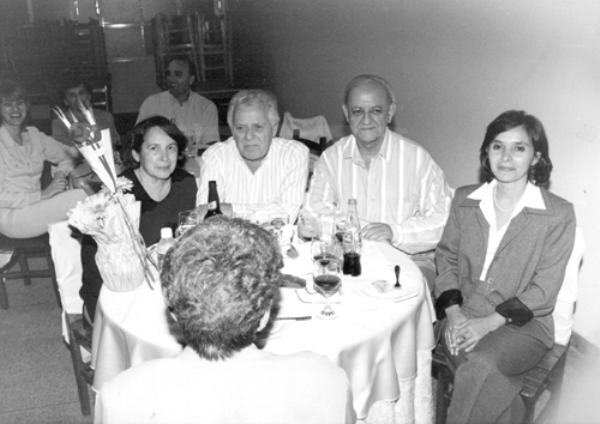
(352, 241)
(214, 205)
(164, 244)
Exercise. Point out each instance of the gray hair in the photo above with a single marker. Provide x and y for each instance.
(219, 280)
(265, 99)
(361, 79)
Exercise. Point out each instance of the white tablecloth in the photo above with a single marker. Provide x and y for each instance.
(383, 345)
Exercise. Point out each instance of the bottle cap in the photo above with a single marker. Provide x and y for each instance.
(166, 232)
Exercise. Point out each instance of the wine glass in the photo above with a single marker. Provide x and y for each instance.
(186, 220)
(276, 224)
(326, 273)
(308, 226)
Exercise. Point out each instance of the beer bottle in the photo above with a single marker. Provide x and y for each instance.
(352, 241)
(214, 206)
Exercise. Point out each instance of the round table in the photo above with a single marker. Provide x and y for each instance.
(383, 344)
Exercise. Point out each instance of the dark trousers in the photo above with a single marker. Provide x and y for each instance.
(488, 379)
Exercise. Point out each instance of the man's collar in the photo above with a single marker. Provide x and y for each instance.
(351, 150)
(174, 99)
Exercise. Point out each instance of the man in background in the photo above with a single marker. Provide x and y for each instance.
(195, 115)
(72, 93)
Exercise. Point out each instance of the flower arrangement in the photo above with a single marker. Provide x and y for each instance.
(110, 216)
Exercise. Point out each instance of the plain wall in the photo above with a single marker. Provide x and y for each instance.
(454, 66)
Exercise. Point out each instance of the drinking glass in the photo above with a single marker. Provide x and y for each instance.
(187, 220)
(341, 225)
(308, 226)
(326, 273)
(276, 223)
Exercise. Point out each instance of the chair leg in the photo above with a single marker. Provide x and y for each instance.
(555, 388)
(53, 278)
(3, 295)
(24, 268)
(441, 403)
(82, 387)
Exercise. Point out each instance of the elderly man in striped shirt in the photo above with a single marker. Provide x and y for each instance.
(258, 175)
(401, 192)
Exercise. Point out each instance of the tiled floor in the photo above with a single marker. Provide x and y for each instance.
(37, 383)
(36, 376)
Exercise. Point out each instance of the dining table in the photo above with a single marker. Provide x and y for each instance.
(381, 336)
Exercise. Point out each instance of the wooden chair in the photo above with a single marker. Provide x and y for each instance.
(76, 334)
(313, 132)
(547, 375)
(24, 250)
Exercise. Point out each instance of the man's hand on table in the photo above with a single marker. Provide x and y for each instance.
(377, 231)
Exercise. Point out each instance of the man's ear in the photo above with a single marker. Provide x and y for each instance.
(275, 127)
(192, 79)
(135, 155)
(345, 110)
(391, 113)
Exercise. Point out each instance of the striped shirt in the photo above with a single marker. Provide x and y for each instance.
(277, 186)
(403, 187)
(197, 117)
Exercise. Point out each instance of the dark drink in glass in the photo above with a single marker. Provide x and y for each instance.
(327, 284)
(352, 264)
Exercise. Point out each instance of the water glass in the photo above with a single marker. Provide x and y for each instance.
(308, 227)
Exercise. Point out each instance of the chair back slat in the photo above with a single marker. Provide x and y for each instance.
(564, 310)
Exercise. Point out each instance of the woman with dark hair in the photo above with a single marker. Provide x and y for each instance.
(25, 208)
(155, 148)
(501, 262)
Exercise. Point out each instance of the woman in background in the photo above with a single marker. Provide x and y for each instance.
(26, 209)
(501, 262)
(156, 148)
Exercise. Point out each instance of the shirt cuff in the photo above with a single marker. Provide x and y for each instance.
(515, 312)
(445, 300)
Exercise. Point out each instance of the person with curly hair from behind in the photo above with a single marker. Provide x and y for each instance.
(221, 284)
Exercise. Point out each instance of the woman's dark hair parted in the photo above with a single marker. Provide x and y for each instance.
(219, 280)
(136, 138)
(539, 174)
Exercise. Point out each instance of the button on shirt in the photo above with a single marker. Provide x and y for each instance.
(532, 198)
(197, 117)
(277, 186)
(403, 187)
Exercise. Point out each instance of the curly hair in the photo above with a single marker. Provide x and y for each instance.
(539, 174)
(219, 280)
(135, 138)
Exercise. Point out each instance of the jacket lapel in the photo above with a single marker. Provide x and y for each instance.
(516, 227)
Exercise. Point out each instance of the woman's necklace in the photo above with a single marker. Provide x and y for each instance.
(500, 208)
